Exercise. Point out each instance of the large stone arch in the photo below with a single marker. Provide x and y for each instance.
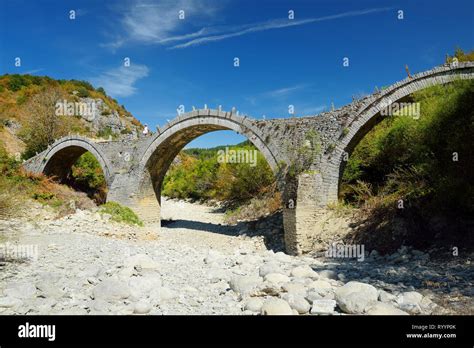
(368, 115)
(58, 159)
(169, 141)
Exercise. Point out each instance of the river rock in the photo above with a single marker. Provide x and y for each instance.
(323, 306)
(297, 302)
(410, 302)
(20, 290)
(381, 308)
(9, 302)
(277, 278)
(111, 289)
(276, 306)
(328, 274)
(356, 297)
(294, 288)
(244, 284)
(142, 286)
(304, 272)
(254, 304)
(269, 268)
(48, 289)
(142, 307)
(386, 297)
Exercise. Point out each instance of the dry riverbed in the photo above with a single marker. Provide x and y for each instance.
(198, 265)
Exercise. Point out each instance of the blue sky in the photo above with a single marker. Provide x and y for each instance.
(190, 61)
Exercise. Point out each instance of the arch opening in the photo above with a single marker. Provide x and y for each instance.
(79, 168)
(170, 144)
(370, 115)
(166, 145)
(406, 174)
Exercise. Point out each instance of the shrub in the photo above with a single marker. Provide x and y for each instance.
(413, 159)
(10, 199)
(16, 82)
(106, 133)
(87, 176)
(120, 213)
(83, 92)
(45, 126)
(198, 175)
(21, 99)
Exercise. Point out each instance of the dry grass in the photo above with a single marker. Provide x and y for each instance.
(16, 191)
(255, 208)
(10, 200)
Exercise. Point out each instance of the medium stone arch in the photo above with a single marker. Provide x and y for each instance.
(169, 141)
(369, 115)
(59, 157)
(204, 121)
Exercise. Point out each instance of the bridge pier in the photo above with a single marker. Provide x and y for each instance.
(305, 204)
(139, 195)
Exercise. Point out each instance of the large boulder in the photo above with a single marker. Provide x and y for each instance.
(276, 306)
(304, 272)
(356, 297)
(323, 306)
(254, 304)
(142, 307)
(244, 284)
(410, 302)
(143, 286)
(329, 274)
(111, 290)
(381, 308)
(277, 278)
(297, 302)
(20, 290)
(269, 268)
(294, 288)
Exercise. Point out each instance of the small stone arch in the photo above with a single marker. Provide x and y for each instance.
(58, 158)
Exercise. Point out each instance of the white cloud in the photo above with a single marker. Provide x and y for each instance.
(119, 82)
(275, 24)
(158, 23)
(283, 92)
(32, 72)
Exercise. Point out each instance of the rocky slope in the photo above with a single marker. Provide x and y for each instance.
(197, 265)
(90, 111)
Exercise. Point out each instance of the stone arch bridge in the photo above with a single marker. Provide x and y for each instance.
(306, 153)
